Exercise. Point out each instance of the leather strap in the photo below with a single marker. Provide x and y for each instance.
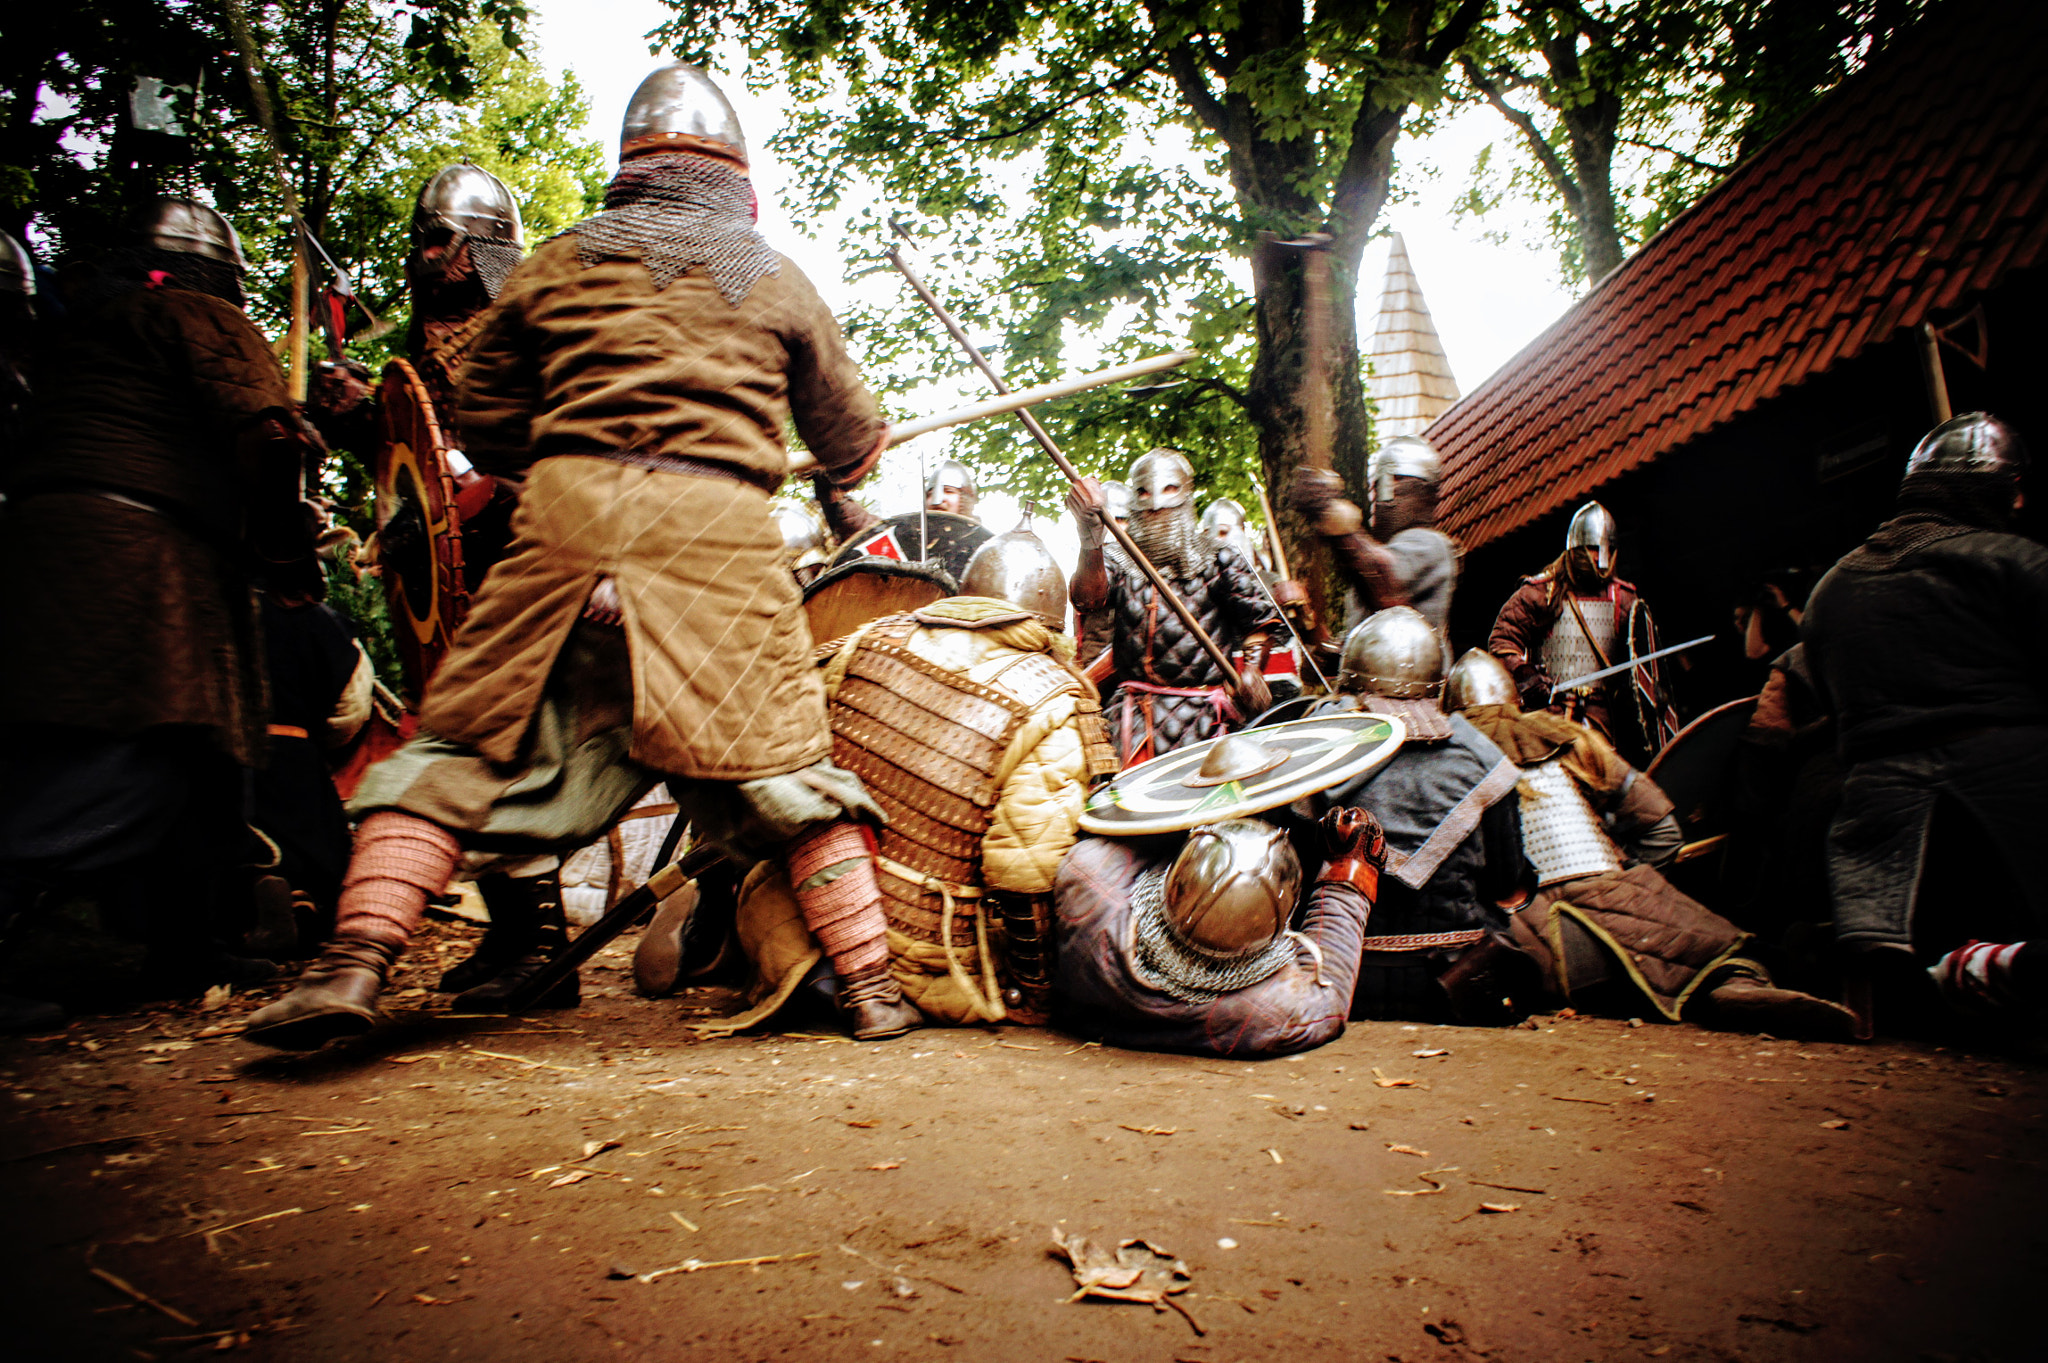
(286, 731)
(1425, 941)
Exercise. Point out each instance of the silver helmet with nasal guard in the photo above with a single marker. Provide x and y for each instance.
(680, 108)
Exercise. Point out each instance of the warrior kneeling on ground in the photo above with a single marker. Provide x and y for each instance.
(978, 736)
(643, 626)
(1608, 930)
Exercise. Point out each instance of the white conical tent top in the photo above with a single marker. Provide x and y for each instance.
(1410, 381)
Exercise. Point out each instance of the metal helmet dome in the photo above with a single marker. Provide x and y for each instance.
(1479, 678)
(17, 269)
(1592, 529)
(1394, 653)
(193, 228)
(1405, 456)
(467, 198)
(1018, 568)
(1976, 442)
(1224, 517)
(680, 108)
(1161, 479)
(1232, 888)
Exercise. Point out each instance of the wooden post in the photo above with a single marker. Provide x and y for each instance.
(296, 338)
(1930, 369)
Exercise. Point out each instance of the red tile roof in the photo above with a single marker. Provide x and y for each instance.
(1907, 192)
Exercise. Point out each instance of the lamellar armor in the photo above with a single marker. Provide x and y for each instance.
(929, 743)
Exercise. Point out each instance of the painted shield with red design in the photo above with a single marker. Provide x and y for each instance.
(419, 527)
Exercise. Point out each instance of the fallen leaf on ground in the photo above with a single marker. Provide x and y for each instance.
(216, 998)
(1382, 1081)
(573, 1176)
(864, 1125)
(1133, 1270)
(1149, 1130)
(592, 1148)
(888, 1164)
(1500, 1206)
(1407, 1150)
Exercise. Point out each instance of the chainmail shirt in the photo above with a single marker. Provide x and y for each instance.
(494, 260)
(676, 212)
(1166, 963)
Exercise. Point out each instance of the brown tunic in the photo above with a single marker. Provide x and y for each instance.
(585, 359)
(123, 615)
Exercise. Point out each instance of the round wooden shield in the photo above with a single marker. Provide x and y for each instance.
(953, 540)
(1279, 763)
(1697, 768)
(848, 595)
(419, 529)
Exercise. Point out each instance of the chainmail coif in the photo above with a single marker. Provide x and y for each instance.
(1935, 506)
(1173, 967)
(677, 211)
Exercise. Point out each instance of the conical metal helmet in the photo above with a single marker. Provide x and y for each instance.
(1395, 653)
(1405, 456)
(468, 199)
(679, 108)
(1232, 888)
(193, 228)
(17, 269)
(1976, 442)
(1592, 530)
(1116, 500)
(1224, 518)
(1161, 479)
(1479, 678)
(1018, 568)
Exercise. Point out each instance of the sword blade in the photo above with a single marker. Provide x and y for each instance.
(1576, 682)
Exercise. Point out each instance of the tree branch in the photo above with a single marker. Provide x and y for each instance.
(1052, 111)
(1695, 162)
(1180, 64)
(1539, 145)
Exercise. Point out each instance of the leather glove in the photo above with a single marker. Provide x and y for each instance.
(1318, 494)
(1357, 849)
(1533, 684)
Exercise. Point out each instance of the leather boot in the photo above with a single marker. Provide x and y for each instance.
(873, 1005)
(335, 998)
(547, 933)
(658, 956)
(513, 904)
(1747, 1001)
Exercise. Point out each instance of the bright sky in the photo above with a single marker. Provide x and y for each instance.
(1489, 300)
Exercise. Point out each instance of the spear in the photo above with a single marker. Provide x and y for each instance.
(1073, 475)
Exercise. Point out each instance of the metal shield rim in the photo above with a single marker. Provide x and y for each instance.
(1201, 811)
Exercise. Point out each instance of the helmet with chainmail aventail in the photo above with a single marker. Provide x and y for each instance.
(954, 474)
(1214, 919)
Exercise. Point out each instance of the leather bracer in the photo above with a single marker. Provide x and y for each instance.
(1029, 935)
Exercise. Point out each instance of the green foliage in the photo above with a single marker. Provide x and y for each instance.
(1627, 111)
(1102, 170)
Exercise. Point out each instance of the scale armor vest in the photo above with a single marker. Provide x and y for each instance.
(1561, 835)
(927, 742)
(1151, 643)
(1567, 652)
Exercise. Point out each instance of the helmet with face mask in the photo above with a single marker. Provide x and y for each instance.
(1162, 520)
(1589, 545)
(951, 481)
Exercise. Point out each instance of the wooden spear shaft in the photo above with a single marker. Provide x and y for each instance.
(1073, 475)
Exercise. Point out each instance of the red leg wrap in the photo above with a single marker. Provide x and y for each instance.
(832, 869)
(399, 860)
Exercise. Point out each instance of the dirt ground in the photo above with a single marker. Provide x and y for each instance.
(579, 1185)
